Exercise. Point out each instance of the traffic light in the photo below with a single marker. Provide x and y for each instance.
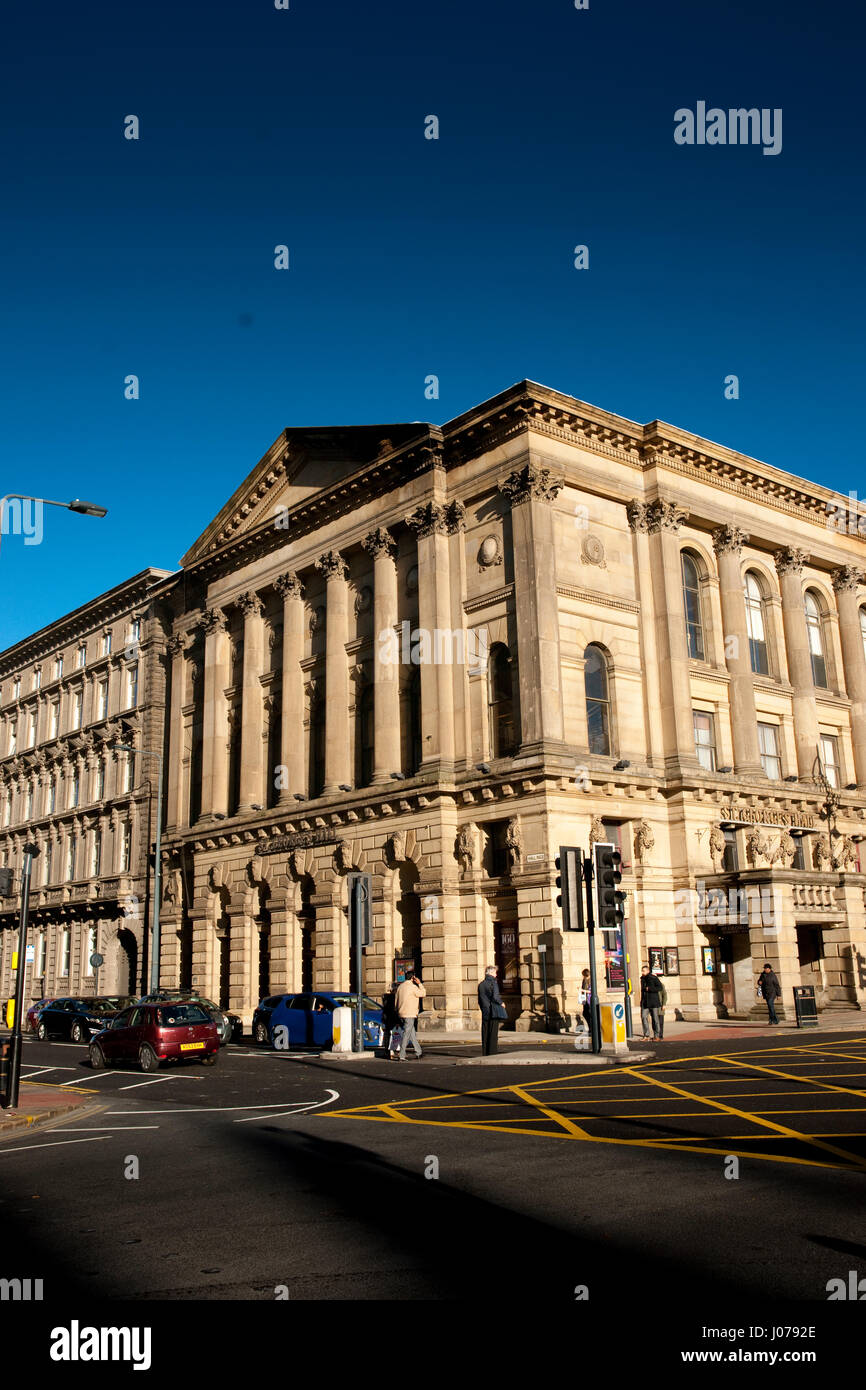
(570, 883)
(610, 902)
(5, 883)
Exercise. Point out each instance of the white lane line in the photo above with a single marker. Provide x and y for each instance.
(99, 1129)
(28, 1076)
(212, 1109)
(153, 1081)
(299, 1110)
(57, 1144)
(85, 1079)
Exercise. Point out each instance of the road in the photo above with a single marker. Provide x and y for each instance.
(364, 1179)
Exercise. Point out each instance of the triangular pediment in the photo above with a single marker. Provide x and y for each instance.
(300, 463)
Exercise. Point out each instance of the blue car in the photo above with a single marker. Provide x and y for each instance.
(308, 1019)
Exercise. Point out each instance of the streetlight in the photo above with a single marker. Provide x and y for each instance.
(831, 804)
(154, 957)
(76, 505)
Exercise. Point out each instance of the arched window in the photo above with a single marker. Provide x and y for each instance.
(863, 628)
(815, 629)
(317, 745)
(597, 700)
(692, 606)
(366, 740)
(503, 740)
(755, 623)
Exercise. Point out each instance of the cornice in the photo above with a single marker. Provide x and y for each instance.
(472, 605)
(595, 596)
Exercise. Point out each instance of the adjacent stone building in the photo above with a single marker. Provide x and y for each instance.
(436, 654)
(68, 695)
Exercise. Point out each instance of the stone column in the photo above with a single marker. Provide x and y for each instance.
(252, 712)
(217, 676)
(846, 582)
(386, 684)
(283, 926)
(175, 811)
(662, 520)
(338, 760)
(291, 590)
(531, 490)
(789, 566)
(432, 523)
(728, 542)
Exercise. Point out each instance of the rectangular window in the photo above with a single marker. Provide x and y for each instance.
(96, 855)
(76, 709)
(37, 678)
(52, 795)
(65, 945)
(134, 631)
(49, 856)
(71, 849)
(58, 668)
(705, 739)
(768, 742)
(132, 687)
(830, 758)
(102, 700)
(106, 644)
(16, 687)
(31, 729)
(74, 790)
(54, 719)
(126, 848)
(91, 948)
(100, 780)
(126, 773)
(730, 856)
(7, 809)
(40, 948)
(13, 737)
(81, 658)
(28, 804)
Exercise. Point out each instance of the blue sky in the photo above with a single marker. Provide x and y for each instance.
(408, 256)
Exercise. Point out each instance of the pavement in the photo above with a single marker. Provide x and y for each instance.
(37, 1104)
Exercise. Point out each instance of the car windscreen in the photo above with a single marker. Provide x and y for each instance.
(101, 1006)
(180, 1015)
(348, 1001)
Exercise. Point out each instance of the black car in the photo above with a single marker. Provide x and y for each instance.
(76, 1019)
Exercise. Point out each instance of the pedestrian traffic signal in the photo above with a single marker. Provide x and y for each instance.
(5, 883)
(610, 902)
(570, 883)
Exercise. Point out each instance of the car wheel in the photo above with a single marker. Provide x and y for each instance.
(260, 1032)
(42, 1032)
(210, 1060)
(148, 1058)
(97, 1057)
(77, 1032)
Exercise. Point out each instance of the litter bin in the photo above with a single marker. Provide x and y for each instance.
(805, 1008)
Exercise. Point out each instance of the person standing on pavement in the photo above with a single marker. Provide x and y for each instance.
(663, 999)
(769, 987)
(586, 998)
(492, 1009)
(645, 1016)
(650, 999)
(407, 1002)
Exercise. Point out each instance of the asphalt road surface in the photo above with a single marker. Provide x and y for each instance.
(704, 1175)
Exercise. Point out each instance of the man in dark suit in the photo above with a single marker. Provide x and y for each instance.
(768, 984)
(490, 1001)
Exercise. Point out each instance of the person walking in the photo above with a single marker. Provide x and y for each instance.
(769, 987)
(645, 1015)
(586, 998)
(663, 999)
(492, 1012)
(650, 1000)
(407, 1002)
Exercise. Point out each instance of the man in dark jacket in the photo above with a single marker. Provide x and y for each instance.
(651, 1001)
(488, 997)
(768, 984)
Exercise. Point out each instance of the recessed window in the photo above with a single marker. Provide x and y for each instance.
(65, 945)
(503, 735)
(132, 687)
(28, 802)
(91, 949)
(71, 856)
(863, 628)
(705, 739)
(16, 688)
(106, 644)
(692, 606)
(815, 629)
(102, 700)
(37, 678)
(75, 790)
(81, 657)
(58, 668)
(99, 789)
(730, 855)
(54, 719)
(31, 729)
(597, 700)
(126, 848)
(768, 742)
(76, 709)
(366, 740)
(830, 758)
(13, 736)
(96, 855)
(755, 623)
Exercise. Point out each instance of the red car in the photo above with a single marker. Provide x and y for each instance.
(154, 1033)
(32, 1016)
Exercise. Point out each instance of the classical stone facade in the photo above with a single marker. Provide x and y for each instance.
(68, 695)
(437, 654)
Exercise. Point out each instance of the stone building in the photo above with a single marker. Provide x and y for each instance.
(436, 654)
(68, 695)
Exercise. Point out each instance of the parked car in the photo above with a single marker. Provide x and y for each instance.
(76, 1019)
(170, 1031)
(33, 1013)
(230, 1026)
(120, 1001)
(308, 1018)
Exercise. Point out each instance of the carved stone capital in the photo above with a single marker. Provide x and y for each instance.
(662, 515)
(848, 577)
(729, 538)
(531, 481)
(250, 604)
(176, 644)
(214, 620)
(332, 565)
(380, 542)
(427, 520)
(288, 585)
(789, 559)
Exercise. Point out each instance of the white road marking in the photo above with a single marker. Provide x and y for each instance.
(221, 1109)
(28, 1076)
(154, 1079)
(57, 1143)
(99, 1129)
(299, 1110)
(85, 1079)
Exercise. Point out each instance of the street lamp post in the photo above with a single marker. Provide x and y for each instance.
(30, 852)
(76, 505)
(154, 956)
(832, 802)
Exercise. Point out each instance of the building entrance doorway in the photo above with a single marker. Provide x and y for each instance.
(505, 946)
(736, 972)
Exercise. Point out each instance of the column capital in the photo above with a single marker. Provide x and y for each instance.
(380, 542)
(729, 539)
(332, 565)
(848, 577)
(288, 585)
(176, 644)
(250, 604)
(790, 560)
(214, 620)
(437, 518)
(531, 481)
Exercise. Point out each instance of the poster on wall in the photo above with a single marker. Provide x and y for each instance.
(672, 960)
(708, 960)
(614, 967)
(656, 959)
